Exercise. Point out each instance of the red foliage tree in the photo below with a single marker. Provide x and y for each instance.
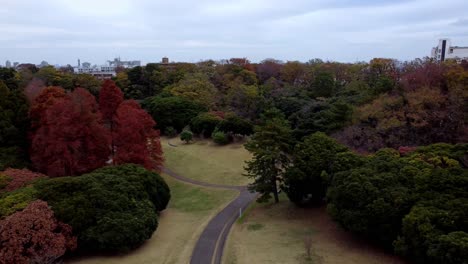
(71, 139)
(34, 236)
(110, 97)
(19, 178)
(135, 139)
(46, 98)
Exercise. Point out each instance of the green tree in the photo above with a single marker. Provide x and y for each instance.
(270, 146)
(172, 111)
(196, 88)
(186, 136)
(313, 158)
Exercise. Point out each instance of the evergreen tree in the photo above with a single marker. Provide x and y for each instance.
(270, 146)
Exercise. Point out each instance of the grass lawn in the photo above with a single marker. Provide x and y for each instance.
(205, 161)
(190, 209)
(277, 233)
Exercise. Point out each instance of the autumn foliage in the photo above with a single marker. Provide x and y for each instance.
(71, 139)
(134, 137)
(34, 236)
(110, 97)
(19, 178)
(46, 98)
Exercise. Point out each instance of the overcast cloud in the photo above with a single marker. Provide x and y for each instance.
(61, 31)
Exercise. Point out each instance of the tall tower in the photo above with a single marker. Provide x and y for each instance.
(79, 63)
(8, 64)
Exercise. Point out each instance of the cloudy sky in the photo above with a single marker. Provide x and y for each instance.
(61, 31)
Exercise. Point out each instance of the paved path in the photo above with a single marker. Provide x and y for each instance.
(210, 246)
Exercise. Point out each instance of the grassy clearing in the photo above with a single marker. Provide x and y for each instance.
(270, 233)
(190, 209)
(205, 161)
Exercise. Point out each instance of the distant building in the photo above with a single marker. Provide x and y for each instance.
(104, 71)
(126, 64)
(8, 64)
(165, 60)
(15, 64)
(445, 50)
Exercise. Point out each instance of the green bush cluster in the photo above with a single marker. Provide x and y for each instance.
(16, 200)
(220, 138)
(416, 204)
(205, 123)
(112, 208)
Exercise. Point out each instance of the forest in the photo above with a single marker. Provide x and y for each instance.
(382, 144)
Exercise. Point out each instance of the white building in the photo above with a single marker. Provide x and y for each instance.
(104, 71)
(445, 51)
(8, 64)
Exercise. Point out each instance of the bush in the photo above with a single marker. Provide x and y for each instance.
(19, 178)
(233, 124)
(17, 200)
(112, 208)
(205, 123)
(34, 236)
(417, 203)
(220, 138)
(170, 132)
(12, 157)
(186, 136)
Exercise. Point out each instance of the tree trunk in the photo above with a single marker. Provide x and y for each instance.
(275, 189)
(112, 142)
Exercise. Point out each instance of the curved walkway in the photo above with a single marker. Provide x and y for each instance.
(210, 245)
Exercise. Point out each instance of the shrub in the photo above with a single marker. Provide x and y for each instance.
(19, 178)
(112, 208)
(205, 123)
(220, 138)
(170, 132)
(186, 136)
(11, 157)
(233, 124)
(16, 201)
(34, 236)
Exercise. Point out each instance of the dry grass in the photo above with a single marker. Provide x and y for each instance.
(205, 161)
(180, 225)
(280, 233)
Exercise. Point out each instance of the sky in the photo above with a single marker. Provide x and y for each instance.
(61, 31)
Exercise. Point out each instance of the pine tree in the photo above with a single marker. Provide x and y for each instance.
(270, 146)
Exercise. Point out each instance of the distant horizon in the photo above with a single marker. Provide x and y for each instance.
(61, 31)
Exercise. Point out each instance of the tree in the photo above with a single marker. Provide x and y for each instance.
(323, 84)
(235, 125)
(270, 146)
(46, 98)
(205, 123)
(34, 236)
(196, 88)
(186, 136)
(304, 182)
(173, 112)
(110, 97)
(111, 209)
(71, 139)
(136, 140)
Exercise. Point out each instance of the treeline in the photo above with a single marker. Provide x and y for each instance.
(367, 106)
